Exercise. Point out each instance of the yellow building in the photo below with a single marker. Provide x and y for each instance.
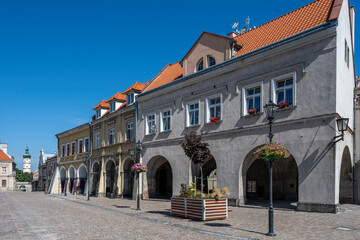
(73, 148)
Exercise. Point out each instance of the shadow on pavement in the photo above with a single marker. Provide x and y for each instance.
(121, 206)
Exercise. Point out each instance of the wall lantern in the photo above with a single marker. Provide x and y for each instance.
(342, 125)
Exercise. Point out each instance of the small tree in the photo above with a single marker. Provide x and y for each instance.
(197, 151)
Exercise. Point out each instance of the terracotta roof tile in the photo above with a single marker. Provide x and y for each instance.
(102, 104)
(287, 25)
(118, 96)
(171, 73)
(138, 86)
(4, 156)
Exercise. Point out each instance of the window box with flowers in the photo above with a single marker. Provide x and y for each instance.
(283, 104)
(252, 111)
(214, 119)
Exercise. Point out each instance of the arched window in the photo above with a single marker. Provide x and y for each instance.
(211, 61)
(200, 65)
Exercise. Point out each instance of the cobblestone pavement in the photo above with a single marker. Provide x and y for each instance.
(39, 216)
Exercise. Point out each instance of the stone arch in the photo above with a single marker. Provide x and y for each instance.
(208, 168)
(72, 178)
(128, 177)
(110, 177)
(62, 179)
(82, 176)
(346, 178)
(159, 177)
(95, 177)
(254, 178)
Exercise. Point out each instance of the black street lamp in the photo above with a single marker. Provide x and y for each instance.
(138, 148)
(270, 110)
(342, 125)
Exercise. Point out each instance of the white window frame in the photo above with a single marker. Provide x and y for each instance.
(63, 150)
(148, 130)
(87, 138)
(133, 98)
(71, 149)
(112, 107)
(68, 149)
(97, 140)
(162, 120)
(282, 78)
(98, 113)
(80, 148)
(244, 96)
(131, 138)
(111, 132)
(3, 170)
(188, 113)
(198, 63)
(218, 95)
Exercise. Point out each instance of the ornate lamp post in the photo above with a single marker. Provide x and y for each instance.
(138, 148)
(270, 110)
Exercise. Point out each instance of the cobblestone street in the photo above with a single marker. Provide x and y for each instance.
(39, 216)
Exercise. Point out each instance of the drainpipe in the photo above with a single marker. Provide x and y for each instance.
(90, 156)
(355, 183)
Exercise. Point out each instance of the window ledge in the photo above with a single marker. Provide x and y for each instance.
(253, 115)
(166, 131)
(150, 134)
(217, 122)
(193, 126)
(287, 108)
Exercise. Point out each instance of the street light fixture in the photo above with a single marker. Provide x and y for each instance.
(270, 110)
(138, 148)
(342, 125)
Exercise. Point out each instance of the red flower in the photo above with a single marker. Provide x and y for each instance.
(214, 119)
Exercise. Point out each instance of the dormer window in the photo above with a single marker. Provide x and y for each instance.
(211, 61)
(112, 107)
(200, 65)
(130, 99)
(98, 113)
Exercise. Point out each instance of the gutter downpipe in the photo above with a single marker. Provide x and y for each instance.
(90, 156)
(355, 182)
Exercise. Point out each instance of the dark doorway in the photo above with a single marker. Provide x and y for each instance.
(110, 178)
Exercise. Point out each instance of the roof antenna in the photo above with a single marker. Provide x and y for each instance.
(235, 27)
(247, 22)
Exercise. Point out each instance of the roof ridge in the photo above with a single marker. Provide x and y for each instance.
(282, 16)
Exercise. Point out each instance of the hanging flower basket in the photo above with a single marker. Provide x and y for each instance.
(214, 119)
(283, 104)
(139, 168)
(252, 111)
(272, 152)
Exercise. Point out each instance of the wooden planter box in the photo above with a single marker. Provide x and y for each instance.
(201, 209)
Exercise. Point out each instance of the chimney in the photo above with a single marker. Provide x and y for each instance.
(3, 147)
(352, 25)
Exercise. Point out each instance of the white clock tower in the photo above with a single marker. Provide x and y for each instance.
(27, 161)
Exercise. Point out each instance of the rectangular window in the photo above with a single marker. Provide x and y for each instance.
(67, 149)
(80, 146)
(72, 148)
(111, 136)
(284, 89)
(193, 114)
(150, 124)
(97, 140)
(3, 170)
(251, 186)
(112, 107)
(86, 145)
(166, 120)
(63, 150)
(130, 99)
(214, 108)
(130, 131)
(3, 183)
(253, 96)
(98, 113)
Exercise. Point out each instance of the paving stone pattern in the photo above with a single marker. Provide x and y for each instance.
(38, 216)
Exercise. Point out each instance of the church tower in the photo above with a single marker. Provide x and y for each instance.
(27, 161)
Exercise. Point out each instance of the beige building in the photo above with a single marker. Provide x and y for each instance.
(73, 148)
(7, 170)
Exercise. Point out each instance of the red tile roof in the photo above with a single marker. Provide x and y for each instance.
(171, 73)
(118, 96)
(138, 87)
(4, 156)
(294, 22)
(102, 104)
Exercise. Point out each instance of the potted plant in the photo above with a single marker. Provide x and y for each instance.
(272, 152)
(139, 168)
(214, 119)
(252, 111)
(195, 204)
(283, 104)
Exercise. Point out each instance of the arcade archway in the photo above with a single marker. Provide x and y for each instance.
(72, 179)
(159, 178)
(95, 178)
(346, 178)
(110, 178)
(128, 180)
(63, 179)
(82, 179)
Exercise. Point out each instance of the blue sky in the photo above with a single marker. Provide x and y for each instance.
(60, 58)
